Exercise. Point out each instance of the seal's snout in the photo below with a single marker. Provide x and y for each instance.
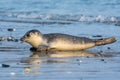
(22, 39)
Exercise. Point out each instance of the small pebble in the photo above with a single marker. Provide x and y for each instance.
(9, 38)
(79, 60)
(5, 65)
(27, 70)
(11, 29)
(16, 40)
(108, 48)
(12, 73)
(102, 60)
(101, 51)
(117, 24)
(2, 38)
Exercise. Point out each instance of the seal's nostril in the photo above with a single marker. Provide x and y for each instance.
(21, 39)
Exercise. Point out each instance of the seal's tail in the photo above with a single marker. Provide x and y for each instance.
(104, 41)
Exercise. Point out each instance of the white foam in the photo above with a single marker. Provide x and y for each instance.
(66, 17)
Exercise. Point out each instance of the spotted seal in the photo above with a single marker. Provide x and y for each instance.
(58, 41)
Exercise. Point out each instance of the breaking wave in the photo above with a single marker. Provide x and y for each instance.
(38, 18)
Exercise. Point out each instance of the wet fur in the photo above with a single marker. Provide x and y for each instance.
(68, 42)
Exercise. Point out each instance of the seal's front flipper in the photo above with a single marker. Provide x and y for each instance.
(33, 49)
(43, 48)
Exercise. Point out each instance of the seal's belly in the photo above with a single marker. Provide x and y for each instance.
(63, 45)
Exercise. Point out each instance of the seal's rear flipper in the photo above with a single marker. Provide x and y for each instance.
(104, 41)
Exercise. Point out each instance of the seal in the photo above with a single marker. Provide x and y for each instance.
(58, 41)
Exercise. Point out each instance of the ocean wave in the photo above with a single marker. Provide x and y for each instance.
(35, 17)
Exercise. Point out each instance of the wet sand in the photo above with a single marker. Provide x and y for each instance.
(80, 65)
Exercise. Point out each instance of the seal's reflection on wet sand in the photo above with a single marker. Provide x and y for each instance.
(63, 54)
(37, 59)
(44, 56)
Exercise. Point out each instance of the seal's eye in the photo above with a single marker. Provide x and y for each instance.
(28, 35)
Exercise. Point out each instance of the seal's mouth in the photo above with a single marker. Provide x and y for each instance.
(22, 39)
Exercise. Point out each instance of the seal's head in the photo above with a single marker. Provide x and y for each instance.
(33, 37)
